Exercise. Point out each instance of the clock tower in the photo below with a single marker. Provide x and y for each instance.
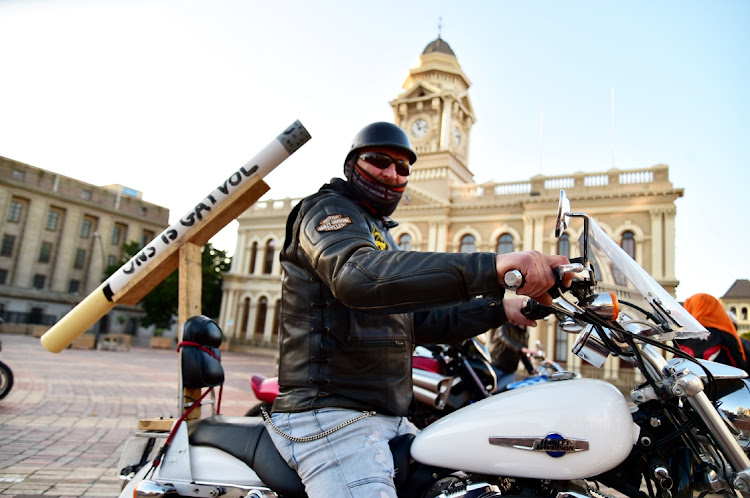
(436, 112)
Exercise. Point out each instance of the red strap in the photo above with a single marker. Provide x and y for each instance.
(191, 344)
(176, 426)
(195, 403)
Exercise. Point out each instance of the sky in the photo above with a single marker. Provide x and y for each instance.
(170, 97)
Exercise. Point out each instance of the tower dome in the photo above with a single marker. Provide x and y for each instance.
(438, 46)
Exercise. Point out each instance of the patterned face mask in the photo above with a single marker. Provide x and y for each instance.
(380, 197)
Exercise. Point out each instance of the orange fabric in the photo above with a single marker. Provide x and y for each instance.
(710, 313)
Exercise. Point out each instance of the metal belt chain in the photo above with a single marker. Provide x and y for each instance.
(321, 435)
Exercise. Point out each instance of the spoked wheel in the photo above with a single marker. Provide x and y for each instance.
(6, 380)
(255, 411)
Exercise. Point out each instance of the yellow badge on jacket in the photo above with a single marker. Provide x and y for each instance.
(379, 240)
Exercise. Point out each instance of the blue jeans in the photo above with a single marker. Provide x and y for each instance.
(354, 461)
(503, 379)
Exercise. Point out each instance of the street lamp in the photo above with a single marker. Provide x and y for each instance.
(98, 237)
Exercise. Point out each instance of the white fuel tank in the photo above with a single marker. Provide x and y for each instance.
(558, 430)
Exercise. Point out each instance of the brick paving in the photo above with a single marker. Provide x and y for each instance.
(68, 416)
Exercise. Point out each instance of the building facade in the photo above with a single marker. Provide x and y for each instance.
(58, 237)
(443, 209)
(737, 300)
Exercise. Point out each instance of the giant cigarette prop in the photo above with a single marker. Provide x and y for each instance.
(159, 258)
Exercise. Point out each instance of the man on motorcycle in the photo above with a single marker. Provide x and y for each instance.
(508, 345)
(353, 307)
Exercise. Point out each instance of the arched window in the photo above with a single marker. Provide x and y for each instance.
(468, 243)
(628, 243)
(276, 318)
(260, 321)
(253, 257)
(563, 245)
(245, 317)
(744, 314)
(404, 242)
(268, 257)
(597, 271)
(618, 275)
(505, 243)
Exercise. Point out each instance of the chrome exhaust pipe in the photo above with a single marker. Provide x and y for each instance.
(431, 381)
(437, 386)
(428, 398)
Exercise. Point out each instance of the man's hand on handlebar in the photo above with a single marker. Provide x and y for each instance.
(536, 273)
(524, 311)
(513, 308)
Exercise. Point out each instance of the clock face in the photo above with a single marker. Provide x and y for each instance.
(419, 128)
(457, 135)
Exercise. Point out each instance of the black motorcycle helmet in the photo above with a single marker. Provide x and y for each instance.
(380, 134)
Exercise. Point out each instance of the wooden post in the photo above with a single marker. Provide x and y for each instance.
(189, 304)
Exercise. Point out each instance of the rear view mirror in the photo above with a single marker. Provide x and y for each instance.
(563, 214)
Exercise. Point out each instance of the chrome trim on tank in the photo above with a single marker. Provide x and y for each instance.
(552, 443)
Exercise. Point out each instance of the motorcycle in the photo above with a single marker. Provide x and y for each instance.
(684, 432)
(265, 390)
(6, 377)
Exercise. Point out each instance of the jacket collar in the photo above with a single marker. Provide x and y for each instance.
(343, 187)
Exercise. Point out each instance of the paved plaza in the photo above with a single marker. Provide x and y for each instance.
(65, 422)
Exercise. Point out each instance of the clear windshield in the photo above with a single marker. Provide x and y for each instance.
(617, 272)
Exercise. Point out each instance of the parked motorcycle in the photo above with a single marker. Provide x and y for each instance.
(448, 377)
(685, 434)
(265, 390)
(6, 377)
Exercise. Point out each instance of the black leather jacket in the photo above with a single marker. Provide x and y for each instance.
(353, 306)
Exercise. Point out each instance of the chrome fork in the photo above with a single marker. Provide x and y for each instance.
(681, 383)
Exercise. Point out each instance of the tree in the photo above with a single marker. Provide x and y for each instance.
(161, 303)
(214, 264)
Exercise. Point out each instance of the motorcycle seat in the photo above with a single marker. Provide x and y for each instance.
(246, 438)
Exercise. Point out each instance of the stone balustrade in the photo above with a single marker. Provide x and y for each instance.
(656, 176)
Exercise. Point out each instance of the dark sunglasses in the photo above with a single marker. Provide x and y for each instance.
(382, 161)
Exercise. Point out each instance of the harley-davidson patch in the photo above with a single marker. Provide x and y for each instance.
(380, 242)
(555, 445)
(333, 222)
